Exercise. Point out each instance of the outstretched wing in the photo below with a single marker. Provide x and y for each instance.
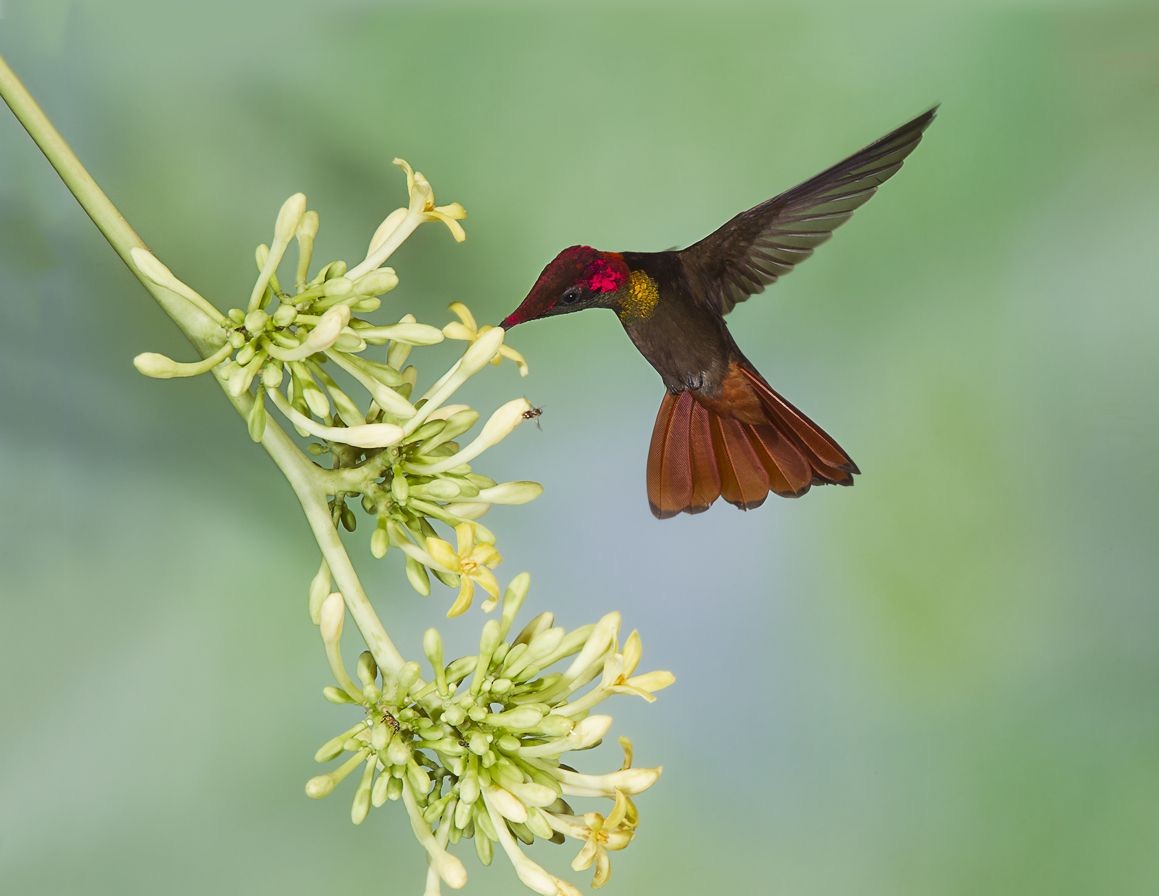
(758, 246)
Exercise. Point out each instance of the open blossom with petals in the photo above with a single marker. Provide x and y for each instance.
(467, 329)
(603, 834)
(422, 198)
(624, 682)
(472, 561)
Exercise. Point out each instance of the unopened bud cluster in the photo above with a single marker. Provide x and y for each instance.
(405, 459)
(478, 751)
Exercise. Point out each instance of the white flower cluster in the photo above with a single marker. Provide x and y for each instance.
(398, 455)
(478, 751)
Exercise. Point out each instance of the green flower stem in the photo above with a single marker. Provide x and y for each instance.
(206, 335)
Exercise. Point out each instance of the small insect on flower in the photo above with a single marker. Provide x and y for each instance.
(534, 413)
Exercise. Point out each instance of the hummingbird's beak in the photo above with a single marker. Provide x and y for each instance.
(515, 317)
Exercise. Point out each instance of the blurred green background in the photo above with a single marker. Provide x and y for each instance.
(941, 681)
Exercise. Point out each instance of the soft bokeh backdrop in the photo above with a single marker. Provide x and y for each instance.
(941, 681)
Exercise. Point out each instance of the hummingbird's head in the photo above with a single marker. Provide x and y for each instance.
(579, 277)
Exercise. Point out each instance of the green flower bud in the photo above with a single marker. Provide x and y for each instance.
(433, 648)
(397, 752)
(285, 315)
(361, 805)
(338, 287)
(484, 849)
(554, 726)
(256, 419)
(320, 786)
(378, 792)
(454, 715)
(332, 749)
(366, 669)
(522, 832)
(519, 719)
(511, 493)
(416, 574)
(255, 322)
(319, 591)
(407, 676)
(463, 814)
(376, 282)
(478, 743)
(538, 825)
(271, 375)
(419, 780)
(379, 542)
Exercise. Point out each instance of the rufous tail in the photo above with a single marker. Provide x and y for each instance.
(740, 446)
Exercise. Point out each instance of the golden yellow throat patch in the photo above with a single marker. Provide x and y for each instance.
(643, 295)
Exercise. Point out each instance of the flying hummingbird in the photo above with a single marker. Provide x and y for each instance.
(722, 431)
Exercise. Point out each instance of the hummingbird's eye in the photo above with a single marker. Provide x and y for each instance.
(571, 295)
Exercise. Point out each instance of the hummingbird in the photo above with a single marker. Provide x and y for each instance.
(722, 430)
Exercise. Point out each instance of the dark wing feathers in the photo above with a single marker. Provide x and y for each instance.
(756, 247)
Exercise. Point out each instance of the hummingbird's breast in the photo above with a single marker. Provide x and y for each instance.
(683, 339)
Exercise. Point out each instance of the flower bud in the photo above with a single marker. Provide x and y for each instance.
(271, 375)
(416, 775)
(331, 617)
(378, 790)
(555, 726)
(503, 421)
(379, 736)
(506, 804)
(376, 282)
(289, 218)
(361, 805)
(511, 493)
(480, 352)
(379, 542)
(160, 367)
(366, 669)
(407, 676)
(397, 752)
(484, 848)
(518, 719)
(255, 323)
(332, 749)
(319, 786)
(433, 648)
(319, 590)
(417, 575)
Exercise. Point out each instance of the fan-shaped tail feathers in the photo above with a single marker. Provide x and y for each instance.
(740, 447)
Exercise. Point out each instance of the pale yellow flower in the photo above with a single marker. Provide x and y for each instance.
(619, 669)
(467, 330)
(422, 199)
(472, 561)
(606, 834)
